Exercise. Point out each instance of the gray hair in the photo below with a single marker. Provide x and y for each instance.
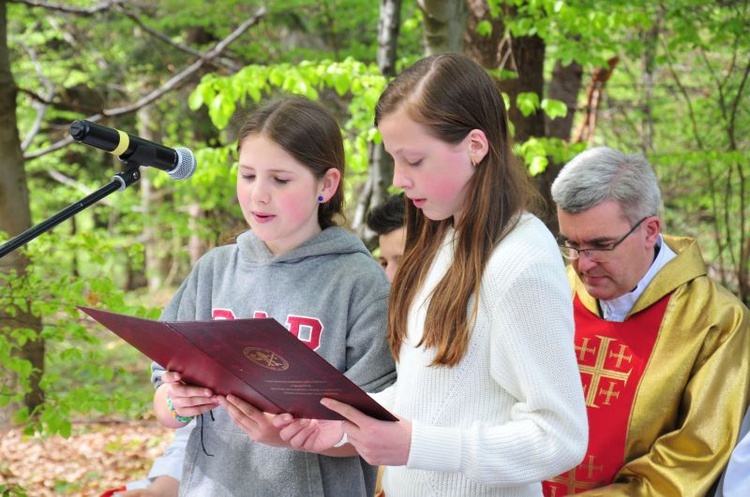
(602, 174)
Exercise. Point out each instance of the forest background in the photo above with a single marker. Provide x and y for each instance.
(666, 78)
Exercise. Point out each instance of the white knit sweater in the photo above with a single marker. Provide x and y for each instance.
(512, 412)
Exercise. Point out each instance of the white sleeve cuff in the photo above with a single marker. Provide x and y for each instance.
(435, 448)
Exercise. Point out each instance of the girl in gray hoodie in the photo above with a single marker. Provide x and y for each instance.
(296, 266)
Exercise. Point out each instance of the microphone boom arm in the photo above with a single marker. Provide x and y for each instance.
(120, 181)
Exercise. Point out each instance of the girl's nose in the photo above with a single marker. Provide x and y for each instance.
(400, 179)
(260, 194)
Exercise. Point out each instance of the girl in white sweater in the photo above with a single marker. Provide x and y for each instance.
(480, 314)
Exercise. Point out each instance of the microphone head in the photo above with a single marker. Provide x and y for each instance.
(186, 164)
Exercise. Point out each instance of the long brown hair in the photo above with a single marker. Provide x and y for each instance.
(309, 133)
(451, 95)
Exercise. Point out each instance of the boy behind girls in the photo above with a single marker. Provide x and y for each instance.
(387, 221)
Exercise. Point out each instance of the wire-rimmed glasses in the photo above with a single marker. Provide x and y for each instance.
(595, 254)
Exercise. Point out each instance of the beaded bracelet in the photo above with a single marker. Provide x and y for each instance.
(181, 419)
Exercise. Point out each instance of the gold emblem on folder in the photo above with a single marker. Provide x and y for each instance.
(266, 358)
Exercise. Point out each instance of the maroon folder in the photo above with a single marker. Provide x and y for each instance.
(257, 360)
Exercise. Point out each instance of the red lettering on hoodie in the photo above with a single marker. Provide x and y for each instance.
(307, 330)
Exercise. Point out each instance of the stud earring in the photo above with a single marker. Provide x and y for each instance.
(320, 198)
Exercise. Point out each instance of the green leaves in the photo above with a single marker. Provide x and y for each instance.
(355, 82)
(222, 94)
(82, 370)
(538, 152)
(484, 28)
(528, 103)
(554, 108)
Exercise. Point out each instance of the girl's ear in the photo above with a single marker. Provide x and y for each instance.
(478, 146)
(329, 183)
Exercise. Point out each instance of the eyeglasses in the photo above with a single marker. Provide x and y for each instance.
(595, 254)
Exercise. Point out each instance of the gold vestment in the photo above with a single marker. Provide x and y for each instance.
(692, 396)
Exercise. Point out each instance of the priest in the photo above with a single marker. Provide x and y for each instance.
(663, 350)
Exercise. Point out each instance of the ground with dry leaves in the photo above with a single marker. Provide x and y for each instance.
(97, 457)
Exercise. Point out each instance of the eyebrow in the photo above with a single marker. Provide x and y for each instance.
(271, 171)
(602, 240)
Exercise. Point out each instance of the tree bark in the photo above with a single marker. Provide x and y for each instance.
(565, 86)
(389, 26)
(525, 56)
(15, 217)
(648, 58)
(599, 77)
(444, 25)
(528, 57)
(528, 54)
(380, 172)
(484, 49)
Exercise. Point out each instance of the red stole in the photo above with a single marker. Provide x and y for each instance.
(611, 358)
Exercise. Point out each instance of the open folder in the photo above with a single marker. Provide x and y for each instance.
(257, 360)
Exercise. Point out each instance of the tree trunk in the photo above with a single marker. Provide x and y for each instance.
(565, 86)
(484, 49)
(389, 26)
(597, 82)
(648, 58)
(444, 25)
(528, 57)
(380, 172)
(388, 31)
(15, 217)
(525, 56)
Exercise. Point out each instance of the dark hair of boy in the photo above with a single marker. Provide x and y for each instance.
(388, 215)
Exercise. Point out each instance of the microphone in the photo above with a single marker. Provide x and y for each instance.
(179, 162)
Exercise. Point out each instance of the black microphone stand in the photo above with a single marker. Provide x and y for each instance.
(120, 181)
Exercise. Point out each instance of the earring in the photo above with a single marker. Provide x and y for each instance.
(320, 198)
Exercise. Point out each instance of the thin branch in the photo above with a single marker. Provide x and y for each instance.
(728, 232)
(55, 146)
(192, 68)
(41, 105)
(709, 168)
(103, 6)
(736, 104)
(164, 38)
(68, 181)
(719, 84)
(743, 268)
(36, 97)
(171, 84)
(685, 94)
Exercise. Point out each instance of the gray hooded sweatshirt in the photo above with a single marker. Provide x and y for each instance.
(333, 295)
